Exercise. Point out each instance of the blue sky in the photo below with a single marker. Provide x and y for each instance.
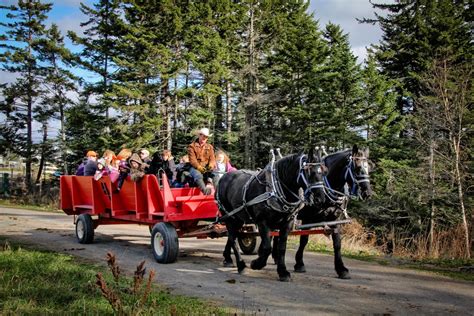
(67, 15)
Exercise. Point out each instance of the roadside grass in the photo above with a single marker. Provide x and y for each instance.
(24, 206)
(41, 282)
(453, 268)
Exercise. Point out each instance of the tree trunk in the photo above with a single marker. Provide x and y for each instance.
(432, 198)
(43, 152)
(228, 122)
(458, 178)
(250, 94)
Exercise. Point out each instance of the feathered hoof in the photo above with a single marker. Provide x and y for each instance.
(256, 265)
(345, 275)
(300, 268)
(228, 264)
(285, 277)
(241, 266)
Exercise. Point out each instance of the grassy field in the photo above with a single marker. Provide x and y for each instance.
(38, 282)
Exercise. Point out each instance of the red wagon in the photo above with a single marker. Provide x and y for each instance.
(169, 212)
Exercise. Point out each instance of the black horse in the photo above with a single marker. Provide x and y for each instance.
(345, 167)
(269, 198)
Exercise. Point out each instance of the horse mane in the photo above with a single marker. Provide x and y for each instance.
(339, 156)
(286, 166)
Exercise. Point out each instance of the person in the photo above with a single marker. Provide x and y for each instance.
(168, 165)
(145, 156)
(108, 156)
(222, 165)
(137, 168)
(90, 156)
(123, 167)
(102, 169)
(202, 160)
(182, 173)
(91, 166)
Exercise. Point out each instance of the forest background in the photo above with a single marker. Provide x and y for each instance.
(259, 74)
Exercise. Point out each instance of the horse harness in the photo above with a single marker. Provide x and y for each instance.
(274, 195)
(340, 199)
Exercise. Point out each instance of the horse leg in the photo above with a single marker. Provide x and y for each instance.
(341, 270)
(283, 273)
(264, 250)
(275, 249)
(299, 265)
(227, 254)
(232, 241)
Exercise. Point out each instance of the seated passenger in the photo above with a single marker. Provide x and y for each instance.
(202, 160)
(123, 167)
(183, 176)
(91, 166)
(91, 155)
(137, 168)
(168, 165)
(222, 165)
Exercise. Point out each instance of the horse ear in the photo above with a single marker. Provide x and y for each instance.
(355, 149)
(311, 154)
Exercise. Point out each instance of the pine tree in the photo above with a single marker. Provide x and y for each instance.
(59, 81)
(98, 47)
(23, 31)
(341, 91)
(414, 31)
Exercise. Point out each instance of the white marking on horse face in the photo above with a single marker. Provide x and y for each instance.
(365, 166)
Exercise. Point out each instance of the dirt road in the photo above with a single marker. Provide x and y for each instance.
(373, 289)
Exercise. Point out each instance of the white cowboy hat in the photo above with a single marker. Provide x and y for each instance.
(204, 131)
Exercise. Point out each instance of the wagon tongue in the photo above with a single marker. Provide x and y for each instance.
(211, 230)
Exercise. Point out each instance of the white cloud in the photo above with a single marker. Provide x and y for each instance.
(345, 13)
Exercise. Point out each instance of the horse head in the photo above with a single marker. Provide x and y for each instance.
(312, 171)
(358, 170)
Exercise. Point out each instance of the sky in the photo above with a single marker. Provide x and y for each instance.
(67, 16)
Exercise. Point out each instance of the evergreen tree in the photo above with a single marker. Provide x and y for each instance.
(59, 81)
(341, 91)
(415, 31)
(25, 27)
(98, 47)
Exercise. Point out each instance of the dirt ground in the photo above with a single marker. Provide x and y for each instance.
(373, 289)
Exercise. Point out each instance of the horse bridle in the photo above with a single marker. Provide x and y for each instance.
(359, 178)
(304, 166)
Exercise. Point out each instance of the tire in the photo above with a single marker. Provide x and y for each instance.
(248, 244)
(85, 229)
(164, 243)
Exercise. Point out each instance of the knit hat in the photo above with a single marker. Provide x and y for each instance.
(91, 153)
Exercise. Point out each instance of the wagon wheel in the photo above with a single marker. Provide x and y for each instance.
(164, 243)
(85, 229)
(249, 244)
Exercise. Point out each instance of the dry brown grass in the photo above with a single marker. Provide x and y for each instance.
(355, 239)
(447, 243)
(125, 300)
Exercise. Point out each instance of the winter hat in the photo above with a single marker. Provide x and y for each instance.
(91, 153)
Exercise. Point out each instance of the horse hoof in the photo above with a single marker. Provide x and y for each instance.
(228, 264)
(344, 275)
(255, 265)
(300, 268)
(285, 278)
(241, 266)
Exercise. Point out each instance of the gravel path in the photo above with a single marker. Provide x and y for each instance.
(373, 289)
